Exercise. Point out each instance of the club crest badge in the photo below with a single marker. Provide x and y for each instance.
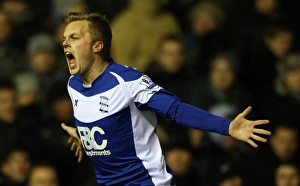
(103, 104)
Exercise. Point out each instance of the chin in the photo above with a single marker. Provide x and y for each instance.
(73, 72)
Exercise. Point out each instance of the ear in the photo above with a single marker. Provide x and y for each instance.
(98, 46)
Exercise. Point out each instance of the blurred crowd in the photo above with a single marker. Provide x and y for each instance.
(219, 55)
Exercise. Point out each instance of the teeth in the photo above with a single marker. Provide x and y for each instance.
(68, 53)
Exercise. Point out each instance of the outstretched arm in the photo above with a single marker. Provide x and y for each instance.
(167, 105)
(244, 130)
(75, 141)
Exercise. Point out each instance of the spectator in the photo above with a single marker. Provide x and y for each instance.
(288, 85)
(10, 54)
(221, 85)
(288, 82)
(8, 115)
(140, 27)
(42, 63)
(54, 139)
(28, 98)
(203, 34)
(15, 128)
(259, 72)
(15, 167)
(287, 92)
(169, 68)
(287, 175)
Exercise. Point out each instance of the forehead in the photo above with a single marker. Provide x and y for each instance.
(76, 27)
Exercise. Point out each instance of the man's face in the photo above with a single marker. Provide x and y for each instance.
(171, 56)
(43, 62)
(287, 175)
(280, 44)
(284, 142)
(78, 48)
(17, 166)
(222, 75)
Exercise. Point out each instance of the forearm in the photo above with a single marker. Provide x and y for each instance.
(194, 117)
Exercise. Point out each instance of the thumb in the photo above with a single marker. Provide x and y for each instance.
(246, 111)
(70, 130)
(64, 126)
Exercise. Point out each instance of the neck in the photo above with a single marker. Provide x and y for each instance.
(96, 69)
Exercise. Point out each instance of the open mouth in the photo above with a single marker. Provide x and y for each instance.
(69, 56)
(71, 60)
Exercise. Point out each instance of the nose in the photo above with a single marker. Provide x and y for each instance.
(65, 43)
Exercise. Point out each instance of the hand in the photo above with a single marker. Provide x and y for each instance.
(75, 141)
(243, 129)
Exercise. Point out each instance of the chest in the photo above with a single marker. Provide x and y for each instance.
(92, 108)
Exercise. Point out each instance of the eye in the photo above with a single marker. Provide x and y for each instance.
(74, 38)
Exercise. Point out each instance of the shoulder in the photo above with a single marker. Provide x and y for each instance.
(125, 72)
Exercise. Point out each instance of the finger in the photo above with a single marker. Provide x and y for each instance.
(258, 138)
(80, 156)
(262, 131)
(70, 140)
(260, 122)
(252, 143)
(246, 111)
(77, 151)
(73, 146)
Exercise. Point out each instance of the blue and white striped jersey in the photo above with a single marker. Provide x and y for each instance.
(116, 119)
